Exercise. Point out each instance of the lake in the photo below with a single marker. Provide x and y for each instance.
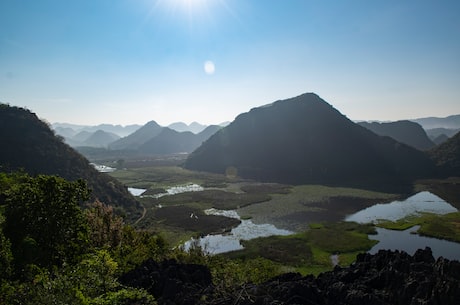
(169, 191)
(221, 243)
(423, 202)
(407, 240)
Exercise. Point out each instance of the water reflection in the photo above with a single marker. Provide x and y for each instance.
(180, 189)
(409, 242)
(425, 202)
(136, 191)
(221, 243)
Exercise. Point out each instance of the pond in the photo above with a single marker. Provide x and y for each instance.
(423, 202)
(136, 191)
(192, 187)
(169, 191)
(409, 242)
(221, 243)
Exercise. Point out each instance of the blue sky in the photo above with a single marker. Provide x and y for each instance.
(132, 61)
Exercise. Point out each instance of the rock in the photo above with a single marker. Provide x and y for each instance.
(388, 277)
(170, 282)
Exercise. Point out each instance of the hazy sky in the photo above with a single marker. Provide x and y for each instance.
(132, 61)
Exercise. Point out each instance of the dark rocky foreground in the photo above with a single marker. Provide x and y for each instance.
(384, 278)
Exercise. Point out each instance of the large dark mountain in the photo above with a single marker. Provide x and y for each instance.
(305, 140)
(29, 144)
(406, 132)
(447, 156)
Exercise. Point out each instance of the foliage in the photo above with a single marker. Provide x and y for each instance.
(125, 296)
(44, 222)
(138, 246)
(91, 281)
(6, 256)
(29, 144)
(106, 228)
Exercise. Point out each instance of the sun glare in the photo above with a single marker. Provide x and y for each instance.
(189, 6)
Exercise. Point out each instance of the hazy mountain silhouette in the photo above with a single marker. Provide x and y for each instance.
(194, 127)
(447, 156)
(406, 132)
(29, 144)
(305, 140)
(171, 141)
(440, 139)
(450, 122)
(100, 138)
(154, 139)
(441, 133)
(138, 138)
(69, 130)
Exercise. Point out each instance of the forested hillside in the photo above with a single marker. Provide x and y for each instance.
(29, 144)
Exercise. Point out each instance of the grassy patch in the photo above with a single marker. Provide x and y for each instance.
(310, 251)
(218, 199)
(166, 176)
(439, 226)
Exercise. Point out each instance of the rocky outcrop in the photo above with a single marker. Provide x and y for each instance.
(388, 277)
(385, 278)
(171, 282)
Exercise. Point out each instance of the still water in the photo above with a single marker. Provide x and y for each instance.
(220, 243)
(423, 202)
(409, 242)
(169, 191)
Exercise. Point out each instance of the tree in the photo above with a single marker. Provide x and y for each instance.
(44, 221)
(106, 228)
(6, 257)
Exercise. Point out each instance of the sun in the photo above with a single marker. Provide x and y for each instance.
(209, 67)
(188, 6)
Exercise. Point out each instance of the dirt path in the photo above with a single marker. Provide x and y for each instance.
(143, 214)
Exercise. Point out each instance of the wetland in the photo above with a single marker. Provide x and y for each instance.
(307, 228)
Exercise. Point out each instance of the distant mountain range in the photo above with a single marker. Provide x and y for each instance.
(450, 122)
(150, 138)
(305, 140)
(194, 127)
(29, 144)
(154, 139)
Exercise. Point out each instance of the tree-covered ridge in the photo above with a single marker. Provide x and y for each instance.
(29, 144)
